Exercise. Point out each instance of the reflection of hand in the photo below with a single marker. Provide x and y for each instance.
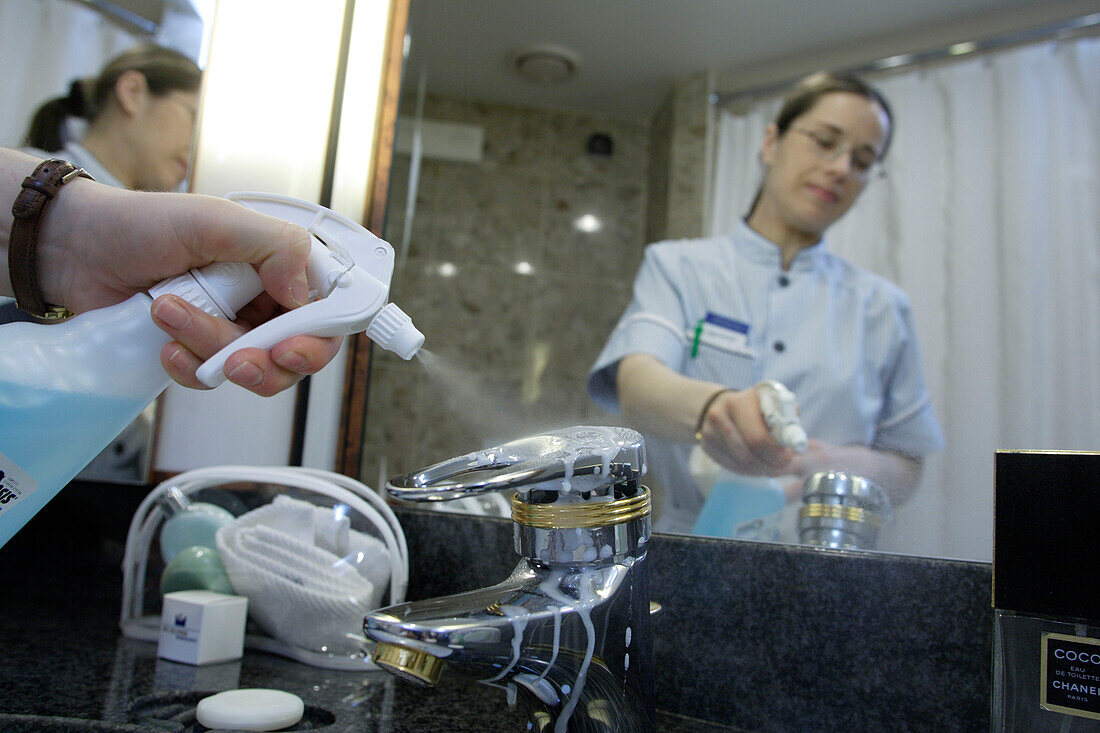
(817, 457)
(736, 436)
(100, 245)
(792, 488)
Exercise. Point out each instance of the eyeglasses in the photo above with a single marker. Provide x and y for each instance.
(827, 147)
(184, 102)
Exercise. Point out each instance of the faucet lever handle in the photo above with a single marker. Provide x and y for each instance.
(572, 460)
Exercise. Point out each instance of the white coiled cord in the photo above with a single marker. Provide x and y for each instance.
(357, 496)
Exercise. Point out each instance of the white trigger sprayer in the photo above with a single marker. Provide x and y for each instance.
(68, 388)
(780, 411)
(349, 278)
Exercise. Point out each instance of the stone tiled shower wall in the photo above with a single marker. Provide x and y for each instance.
(678, 158)
(513, 349)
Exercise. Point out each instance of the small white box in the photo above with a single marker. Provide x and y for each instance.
(202, 627)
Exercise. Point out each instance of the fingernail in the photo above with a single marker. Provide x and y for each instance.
(179, 358)
(171, 313)
(299, 290)
(292, 361)
(246, 374)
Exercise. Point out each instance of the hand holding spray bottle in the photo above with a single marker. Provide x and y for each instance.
(780, 411)
(736, 503)
(67, 389)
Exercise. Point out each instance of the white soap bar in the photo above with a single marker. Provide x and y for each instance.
(256, 709)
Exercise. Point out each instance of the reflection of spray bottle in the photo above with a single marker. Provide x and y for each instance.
(736, 503)
(67, 389)
(780, 411)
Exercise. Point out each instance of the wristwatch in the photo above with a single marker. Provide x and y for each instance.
(39, 189)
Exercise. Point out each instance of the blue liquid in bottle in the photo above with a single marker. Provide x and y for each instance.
(66, 391)
(735, 500)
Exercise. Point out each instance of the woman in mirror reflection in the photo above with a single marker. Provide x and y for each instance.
(140, 114)
(712, 318)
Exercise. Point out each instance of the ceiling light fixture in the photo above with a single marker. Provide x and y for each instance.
(545, 64)
(588, 223)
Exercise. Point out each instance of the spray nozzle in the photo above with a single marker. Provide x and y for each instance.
(349, 276)
(392, 329)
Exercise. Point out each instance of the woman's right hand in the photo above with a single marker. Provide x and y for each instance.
(736, 436)
(664, 402)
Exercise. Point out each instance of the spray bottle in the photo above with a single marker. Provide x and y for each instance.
(67, 389)
(737, 506)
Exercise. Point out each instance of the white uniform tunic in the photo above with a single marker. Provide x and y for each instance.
(723, 310)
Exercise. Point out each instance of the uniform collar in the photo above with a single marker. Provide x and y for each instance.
(762, 251)
(79, 155)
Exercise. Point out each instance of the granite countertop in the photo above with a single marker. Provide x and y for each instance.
(751, 636)
(66, 663)
(69, 660)
(67, 667)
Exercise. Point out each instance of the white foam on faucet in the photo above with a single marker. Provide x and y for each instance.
(592, 445)
(539, 687)
(567, 446)
(517, 616)
(556, 610)
(588, 598)
(405, 641)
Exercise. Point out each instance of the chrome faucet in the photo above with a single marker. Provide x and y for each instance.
(568, 633)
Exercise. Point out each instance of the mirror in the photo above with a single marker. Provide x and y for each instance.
(520, 209)
(86, 36)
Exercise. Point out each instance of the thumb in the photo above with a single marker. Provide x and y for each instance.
(283, 270)
(278, 249)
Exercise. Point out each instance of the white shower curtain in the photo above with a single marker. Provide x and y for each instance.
(989, 218)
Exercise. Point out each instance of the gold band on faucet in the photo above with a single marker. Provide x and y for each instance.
(836, 511)
(409, 664)
(582, 515)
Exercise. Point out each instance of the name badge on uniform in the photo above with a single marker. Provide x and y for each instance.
(720, 332)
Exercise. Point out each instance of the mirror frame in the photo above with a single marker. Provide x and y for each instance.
(353, 411)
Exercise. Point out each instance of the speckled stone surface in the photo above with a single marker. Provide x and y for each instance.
(750, 636)
(768, 637)
(508, 292)
(65, 666)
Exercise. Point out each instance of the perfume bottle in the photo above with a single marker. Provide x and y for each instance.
(1046, 597)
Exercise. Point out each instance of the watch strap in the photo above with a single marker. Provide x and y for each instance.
(38, 190)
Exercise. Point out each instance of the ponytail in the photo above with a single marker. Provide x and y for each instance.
(48, 124)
